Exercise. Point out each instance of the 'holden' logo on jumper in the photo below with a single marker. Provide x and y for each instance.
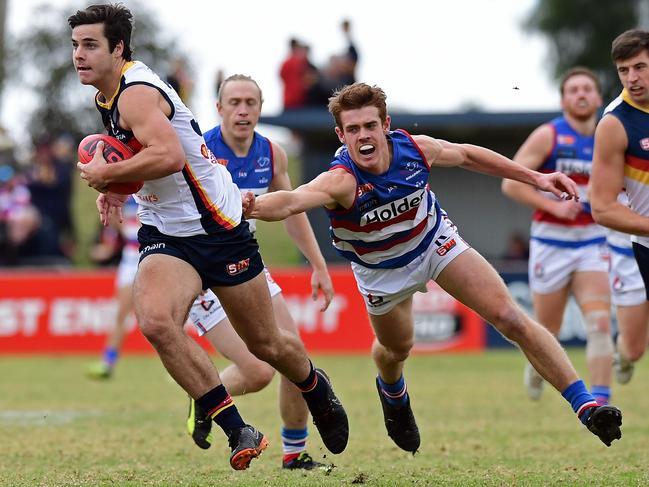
(151, 247)
(573, 166)
(238, 267)
(393, 209)
(644, 143)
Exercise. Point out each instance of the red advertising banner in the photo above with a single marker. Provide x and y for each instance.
(64, 312)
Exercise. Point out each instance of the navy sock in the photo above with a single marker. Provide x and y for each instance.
(580, 399)
(313, 388)
(218, 405)
(395, 394)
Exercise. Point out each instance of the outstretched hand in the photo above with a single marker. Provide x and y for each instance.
(108, 203)
(559, 185)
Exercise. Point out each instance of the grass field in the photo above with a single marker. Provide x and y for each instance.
(477, 427)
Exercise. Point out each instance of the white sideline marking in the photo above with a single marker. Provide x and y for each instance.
(44, 417)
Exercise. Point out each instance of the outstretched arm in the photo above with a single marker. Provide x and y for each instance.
(300, 231)
(330, 188)
(480, 159)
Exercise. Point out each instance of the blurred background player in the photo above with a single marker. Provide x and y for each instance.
(258, 165)
(631, 305)
(621, 162)
(568, 253)
(389, 224)
(124, 279)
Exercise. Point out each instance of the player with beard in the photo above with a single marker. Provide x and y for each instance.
(568, 251)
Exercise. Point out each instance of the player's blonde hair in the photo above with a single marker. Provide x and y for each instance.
(239, 77)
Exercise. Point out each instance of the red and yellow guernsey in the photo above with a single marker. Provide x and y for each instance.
(635, 120)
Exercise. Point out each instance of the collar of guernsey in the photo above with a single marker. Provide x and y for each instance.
(199, 199)
(109, 103)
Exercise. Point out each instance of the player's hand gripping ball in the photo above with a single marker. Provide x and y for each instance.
(114, 151)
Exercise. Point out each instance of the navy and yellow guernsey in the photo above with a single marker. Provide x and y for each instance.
(201, 199)
(635, 120)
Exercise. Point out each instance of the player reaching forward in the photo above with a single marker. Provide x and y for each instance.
(388, 223)
(568, 252)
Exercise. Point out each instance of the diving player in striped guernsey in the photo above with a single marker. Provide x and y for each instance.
(387, 222)
(621, 161)
(193, 236)
(258, 165)
(568, 252)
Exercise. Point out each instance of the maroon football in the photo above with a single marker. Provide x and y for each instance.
(114, 151)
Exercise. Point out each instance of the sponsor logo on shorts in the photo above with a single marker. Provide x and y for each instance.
(375, 301)
(238, 267)
(149, 198)
(618, 285)
(446, 247)
(539, 271)
(644, 143)
(152, 247)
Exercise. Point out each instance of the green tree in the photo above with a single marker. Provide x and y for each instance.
(40, 59)
(580, 33)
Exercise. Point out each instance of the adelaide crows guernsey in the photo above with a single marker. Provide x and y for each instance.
(394, 215)
(635, 120)
(572, 155)
(253, 172)
(201, 198)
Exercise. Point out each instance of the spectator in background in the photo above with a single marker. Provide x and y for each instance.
(19, 219)
(180, 80)
(296, 72)
(349, 59)
(339, 71)
(50, 183)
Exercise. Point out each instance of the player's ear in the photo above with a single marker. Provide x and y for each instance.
(386, 124)
(341, 135)
(119, 49)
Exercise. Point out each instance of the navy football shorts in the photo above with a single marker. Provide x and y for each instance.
(224, 259)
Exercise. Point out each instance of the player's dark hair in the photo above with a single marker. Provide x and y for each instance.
(239, 77)
(117, 20)
(629, 44)
(576, 71)
(357, 95)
